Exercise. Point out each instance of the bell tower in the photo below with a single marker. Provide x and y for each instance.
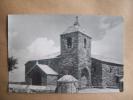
(76, 52)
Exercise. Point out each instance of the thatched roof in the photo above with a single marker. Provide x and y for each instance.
(67, 78)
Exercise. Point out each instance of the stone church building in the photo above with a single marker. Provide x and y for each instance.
(75, 59)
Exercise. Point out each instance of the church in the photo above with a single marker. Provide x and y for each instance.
(75, 59)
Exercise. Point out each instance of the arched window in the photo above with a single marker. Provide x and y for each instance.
(94, 68)
(69, 42)
(84, 72)
(110, 70)
(84, 43)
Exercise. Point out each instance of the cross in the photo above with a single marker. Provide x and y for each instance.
(76, 21)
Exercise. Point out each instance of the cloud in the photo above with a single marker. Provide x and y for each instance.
(111, 22)
(38, 49)
(111, 45)
(97, 26)
(42, 47)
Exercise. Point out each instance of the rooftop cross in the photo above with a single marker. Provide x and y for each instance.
(76, 23)
(37, 63)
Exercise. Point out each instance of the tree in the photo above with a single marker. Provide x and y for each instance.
(12, 63)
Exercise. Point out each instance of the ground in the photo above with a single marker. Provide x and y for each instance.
(98, 90)
(51, 89)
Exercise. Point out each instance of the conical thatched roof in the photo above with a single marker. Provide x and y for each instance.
(67, 78)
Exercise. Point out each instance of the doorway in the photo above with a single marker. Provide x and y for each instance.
(36, 78)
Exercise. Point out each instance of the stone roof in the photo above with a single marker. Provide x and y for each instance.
(48, 70)
(45, 68)
(98, 57)
(74, 28)
(107, 59)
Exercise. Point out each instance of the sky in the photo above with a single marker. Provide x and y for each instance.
(36, 36)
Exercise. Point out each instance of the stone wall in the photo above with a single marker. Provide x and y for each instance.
(120, 70)
(109, 75)
(84, 56)
(96, 73)
(36, 72)
(75, 59)
(69, 58)
(28, 66)
(52, 80)
(63, 40)
(44, 78)
(104, 73)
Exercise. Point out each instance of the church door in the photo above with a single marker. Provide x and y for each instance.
(85, 75)
(36, 78)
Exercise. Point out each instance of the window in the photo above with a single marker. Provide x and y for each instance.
(84, 43)
(110, 69)
(94, 68)
(69, 42)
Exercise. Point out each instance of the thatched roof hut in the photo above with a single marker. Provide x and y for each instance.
(67, 84)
